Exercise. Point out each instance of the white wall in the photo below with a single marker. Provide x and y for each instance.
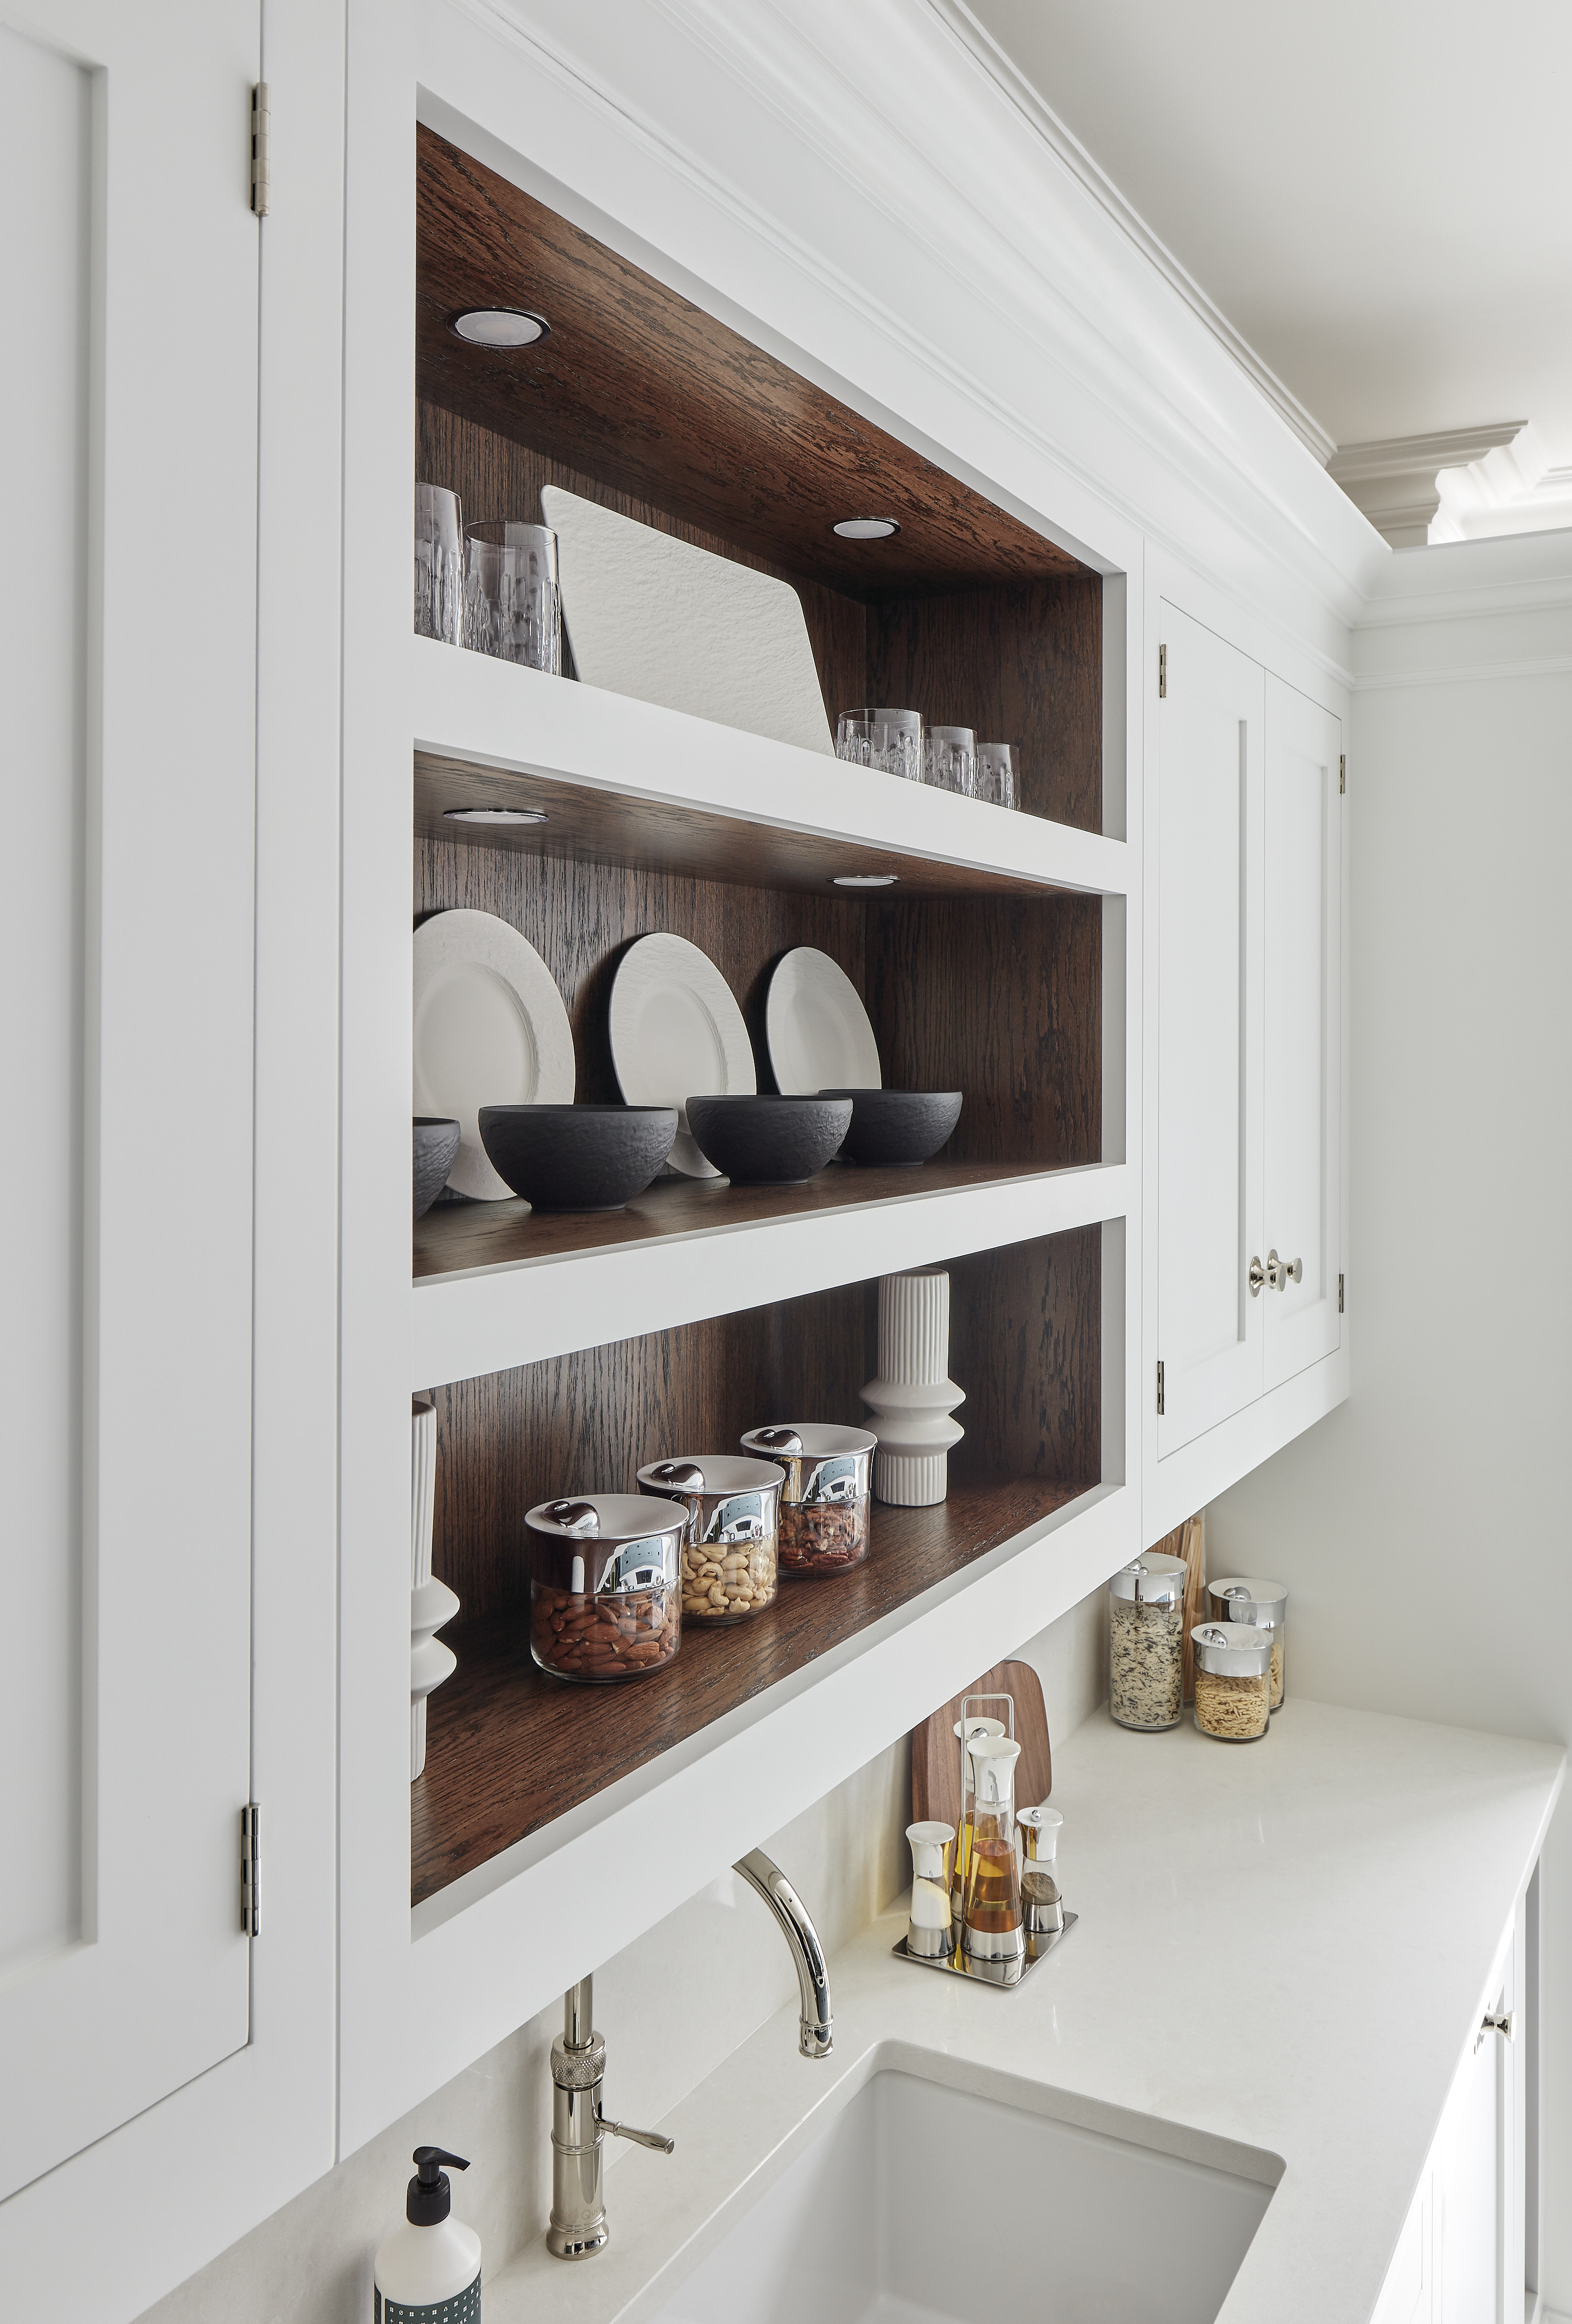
(671, 2007)
(1423, 1527)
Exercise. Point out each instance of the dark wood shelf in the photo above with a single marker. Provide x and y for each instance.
(503, 1757)
(458, 1236)
(634, 832)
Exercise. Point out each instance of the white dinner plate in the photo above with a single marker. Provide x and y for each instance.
(818, 1028)
(677, 1033)
(490, 1029)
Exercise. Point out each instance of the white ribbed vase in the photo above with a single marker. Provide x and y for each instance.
(432, 1603)
(913, 1396)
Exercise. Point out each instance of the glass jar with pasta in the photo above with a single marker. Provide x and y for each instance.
(1233, 1681)
(1264, 1605)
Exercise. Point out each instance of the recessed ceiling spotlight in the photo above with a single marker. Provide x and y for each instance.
(493, 815)
(866, 879)
(501, 328)
(866, 527)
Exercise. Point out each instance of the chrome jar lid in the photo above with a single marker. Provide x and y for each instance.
(1244, 1598)
(1039, 1831)
(1151, 1580)
(727, 1499)
(1232, 1649)
(604, 1544)
(821, 1463)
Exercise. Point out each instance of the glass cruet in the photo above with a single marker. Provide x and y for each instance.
(992, 1938)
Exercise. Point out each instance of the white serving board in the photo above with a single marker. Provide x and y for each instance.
(656, 618)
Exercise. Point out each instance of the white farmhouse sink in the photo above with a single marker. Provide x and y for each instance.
(921, 2201)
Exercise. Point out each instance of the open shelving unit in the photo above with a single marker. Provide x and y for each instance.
(565, 1351)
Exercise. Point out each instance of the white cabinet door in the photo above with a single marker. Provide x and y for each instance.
(1471, 2164)
(1301, 1074)
(1209, 1323)
(129, 277)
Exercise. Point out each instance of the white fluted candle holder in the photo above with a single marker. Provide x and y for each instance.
(912, 1399)
(431, 1602)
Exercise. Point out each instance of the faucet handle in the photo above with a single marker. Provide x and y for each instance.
(640, 2137)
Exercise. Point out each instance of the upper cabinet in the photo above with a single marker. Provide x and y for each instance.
(1245, 926)
(128, 967)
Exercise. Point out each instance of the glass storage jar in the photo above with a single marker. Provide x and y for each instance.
(728, 1549)
(1146, 1638)
(605, 1596)
(1233, 1681)
(824, 1500)
(1264, 1605)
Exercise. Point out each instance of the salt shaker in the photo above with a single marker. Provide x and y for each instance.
(928, 1933)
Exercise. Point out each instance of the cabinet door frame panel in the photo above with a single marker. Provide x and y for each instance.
(1302, 1321)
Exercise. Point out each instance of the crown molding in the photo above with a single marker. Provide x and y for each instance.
(1395, 481)
(1001, 68)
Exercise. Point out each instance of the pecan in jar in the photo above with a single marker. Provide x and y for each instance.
(825, 1499)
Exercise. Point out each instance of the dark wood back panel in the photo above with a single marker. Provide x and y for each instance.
(1021, 665)
(1025, 1344)
(585, 1422)
(1004, 1000)
(581, 917)
(496, 475)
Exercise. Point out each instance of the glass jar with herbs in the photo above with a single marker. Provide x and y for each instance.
(1146, 1637)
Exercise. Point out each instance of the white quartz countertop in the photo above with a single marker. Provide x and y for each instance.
(1287, 1944)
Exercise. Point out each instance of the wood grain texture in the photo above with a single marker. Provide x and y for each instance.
(496, 475)
(643, 389)
(1001, 1000)
(462, 1235)
(936, 1763)
(582, 916)
(1026, 1338)
(1021, 665)
(508, 1750)
(637, 833)
(585, 1422)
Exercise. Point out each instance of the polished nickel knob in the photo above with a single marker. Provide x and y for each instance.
(1257, 1276)
(1495, 2021)
(1282, 1272)
(577, 1517)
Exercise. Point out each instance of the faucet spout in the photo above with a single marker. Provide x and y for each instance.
(816, 2037)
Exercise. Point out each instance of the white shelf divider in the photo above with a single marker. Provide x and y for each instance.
(493, 714)
(489, 1319)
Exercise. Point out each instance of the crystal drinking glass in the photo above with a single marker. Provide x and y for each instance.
(438, 565)
(997, 776)
(513, 600)
(888, 739)
(948, 758)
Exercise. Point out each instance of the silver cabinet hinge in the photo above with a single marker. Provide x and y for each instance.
(1159, 1388)
(251, 1870)
(261, 148)
(1342, 774)
(1339, 1295)
(1162, 673)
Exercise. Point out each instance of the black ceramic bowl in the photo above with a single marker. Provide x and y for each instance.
(577, 1157)
(767, 1141)
(436, 1144)
(897, 1129)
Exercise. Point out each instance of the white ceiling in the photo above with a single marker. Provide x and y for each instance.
(1377, 194)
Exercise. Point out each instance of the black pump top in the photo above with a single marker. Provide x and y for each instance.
(431, 2195)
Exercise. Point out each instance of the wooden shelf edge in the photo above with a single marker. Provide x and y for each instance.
(519, 1764)
(470, 1322)
(502, 720)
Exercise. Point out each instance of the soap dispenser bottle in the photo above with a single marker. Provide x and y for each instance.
(428, 2272)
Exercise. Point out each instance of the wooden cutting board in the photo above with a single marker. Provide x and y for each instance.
(936, 1763)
